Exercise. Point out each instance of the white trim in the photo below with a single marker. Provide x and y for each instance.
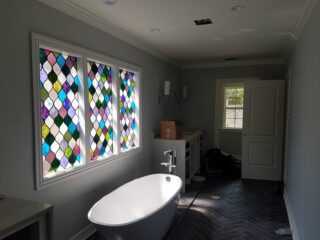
(287, 123)
(74, 10)
(36, 112)
(231, 130)
(302, 19)
(85, 233)
(293, 226)
(218, 106)
(117, 115)
(85, 114)
(83, 55)
(253, 62)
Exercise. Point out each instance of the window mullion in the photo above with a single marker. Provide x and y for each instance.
(138, 112)
(85, 117)
(116, 113)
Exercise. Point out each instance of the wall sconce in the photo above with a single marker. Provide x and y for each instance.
(166, 89)
(184, 92)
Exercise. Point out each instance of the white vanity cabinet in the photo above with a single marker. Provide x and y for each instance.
(188, 154)
(23, 219)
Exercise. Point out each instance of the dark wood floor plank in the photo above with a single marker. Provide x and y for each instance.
(248, 209)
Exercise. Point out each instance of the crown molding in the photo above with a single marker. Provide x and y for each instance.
(302, 19)
(88, 17)
(240, 63)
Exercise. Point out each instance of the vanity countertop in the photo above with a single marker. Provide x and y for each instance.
(16, 213)
(189, 135)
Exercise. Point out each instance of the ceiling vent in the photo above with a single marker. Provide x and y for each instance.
(231, 59)
(204, 21)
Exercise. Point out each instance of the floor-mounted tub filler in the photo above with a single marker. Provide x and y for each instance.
(142, 209)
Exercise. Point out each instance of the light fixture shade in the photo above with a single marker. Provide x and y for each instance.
(184, 92)
(166, 89)
(109, 2)
(237, 8)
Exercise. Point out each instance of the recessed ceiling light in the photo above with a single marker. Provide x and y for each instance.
(237, 8)
(109, 2)
(203, 21)
(155, 29)
(231, 59)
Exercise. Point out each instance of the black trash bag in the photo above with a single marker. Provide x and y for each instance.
(227, 163)
(215, 158)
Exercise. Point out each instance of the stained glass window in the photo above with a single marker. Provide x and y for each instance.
(128, 110)
(100, 110)
(86, 111)
(59, 96)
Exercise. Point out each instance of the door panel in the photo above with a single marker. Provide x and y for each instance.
(263, 129)
(261, 154)
(262, 114)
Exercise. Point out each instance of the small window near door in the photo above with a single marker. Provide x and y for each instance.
(233, 106)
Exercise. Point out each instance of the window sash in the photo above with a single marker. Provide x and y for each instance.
(225, 107)
(113, 111)
(60, 94)
(234, 118)
(127, 110)
(83, 55)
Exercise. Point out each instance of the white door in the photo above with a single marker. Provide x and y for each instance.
(262, 141)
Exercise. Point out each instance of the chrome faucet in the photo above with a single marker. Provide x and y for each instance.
(169, 164)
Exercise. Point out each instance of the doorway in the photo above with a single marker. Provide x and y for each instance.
(249, 124)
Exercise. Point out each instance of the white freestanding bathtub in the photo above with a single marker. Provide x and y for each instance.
(138, 210)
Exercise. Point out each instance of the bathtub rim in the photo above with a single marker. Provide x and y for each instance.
(138, 219)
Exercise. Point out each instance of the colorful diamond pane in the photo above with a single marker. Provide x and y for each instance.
(59, 85)
(100, 111)
(128, 110)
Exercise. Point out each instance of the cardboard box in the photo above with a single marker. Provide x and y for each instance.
(170, 130)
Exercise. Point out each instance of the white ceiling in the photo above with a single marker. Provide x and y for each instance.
(265, 29)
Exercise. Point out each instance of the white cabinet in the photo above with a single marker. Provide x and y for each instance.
(23, 219)
(188, 153)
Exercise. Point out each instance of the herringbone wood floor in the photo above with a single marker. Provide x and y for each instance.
(247, 210)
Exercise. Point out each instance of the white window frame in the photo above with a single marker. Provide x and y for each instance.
(224, 107)
(83, 55)
(218, 106)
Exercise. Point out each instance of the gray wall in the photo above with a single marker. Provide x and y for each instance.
(198, 109)
(231, 142)
(73, 197)
(303, 164)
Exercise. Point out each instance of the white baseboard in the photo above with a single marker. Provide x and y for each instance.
(84, 233)
(294, 230)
